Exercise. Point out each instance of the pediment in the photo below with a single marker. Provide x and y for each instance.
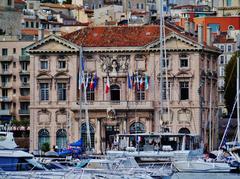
(176, 42)
(44, 76)
(52, 44)
(61, 76)
(184, 74)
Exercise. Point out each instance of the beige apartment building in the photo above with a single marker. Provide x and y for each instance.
(114, 53)
(15, 76)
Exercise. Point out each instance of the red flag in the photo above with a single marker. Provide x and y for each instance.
(107, 85)
(91, 86)
(141, 84)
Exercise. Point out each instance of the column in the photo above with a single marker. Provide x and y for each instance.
(98, 136)
(125, 126)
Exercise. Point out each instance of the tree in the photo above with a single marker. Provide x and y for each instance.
(45, 147)
(230, 84)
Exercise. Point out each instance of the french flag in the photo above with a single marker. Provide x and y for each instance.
(107, 85)
(141, 84)
(91, 85)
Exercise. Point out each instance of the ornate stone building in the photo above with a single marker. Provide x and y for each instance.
(115, 52)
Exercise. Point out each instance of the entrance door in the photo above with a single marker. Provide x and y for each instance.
(111, 132)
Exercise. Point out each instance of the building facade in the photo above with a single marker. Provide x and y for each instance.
(228, 8)
(227, 44)
(15, 88)
(111, 54)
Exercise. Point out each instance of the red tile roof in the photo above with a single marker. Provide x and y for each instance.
(19, 1)
(119, 36)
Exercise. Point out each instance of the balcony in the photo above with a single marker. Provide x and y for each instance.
(6, 58)
(24, 58)
(6, 85)
(25, 85)
(24, 72)
(4, 112)
(24, 112)
(5, 72)
(5, 99)
(24, 98)
(121, 105)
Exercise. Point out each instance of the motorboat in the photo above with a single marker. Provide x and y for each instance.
(163, 147)
(12, 159)
(200, 165)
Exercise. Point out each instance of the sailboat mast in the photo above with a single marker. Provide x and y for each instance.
(238, 118)
(161, 60)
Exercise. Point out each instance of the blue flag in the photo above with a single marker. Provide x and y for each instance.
(129, 82)
(95, 81)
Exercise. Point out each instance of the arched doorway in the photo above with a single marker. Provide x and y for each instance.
(61, 138)
(43, 137)
(137, 127)
(84, 134)
(115, 93)
(184, 131)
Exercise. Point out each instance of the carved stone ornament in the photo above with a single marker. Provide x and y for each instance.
(114, 63)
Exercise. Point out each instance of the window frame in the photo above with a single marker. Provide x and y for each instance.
(61, 91)
(44, 92)
(41, 65)
(182, 86)
(184, 57)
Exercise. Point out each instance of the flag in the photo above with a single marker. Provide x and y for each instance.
(141, 84)
(146, 82)
(86, 82)
(91, 85)
(129, 82)
(95, 81)
(107, 85)
(137, 81)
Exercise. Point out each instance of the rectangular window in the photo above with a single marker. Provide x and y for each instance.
(26, 24)
(222, 47)
(32, 24)
(37, 24)
(229, 2)
(165, 90)
(62, 91)
(137, 6)
(4, 92)
(14, 50)
(24, 66)
(229, 48)
(4, 52)
(62, 64)
(90, 94)
(221, 60)
(184, 61)
(44, 65)
(5, 67)
(9, 2)
(44, 91)
(140, 91)
(24, 79)
(165, 63)
(184, 90)
(142, 6)
(221, 71)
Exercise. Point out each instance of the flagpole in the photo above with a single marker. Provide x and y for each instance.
(80, 93)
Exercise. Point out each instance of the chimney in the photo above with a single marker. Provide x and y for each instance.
(187, 26)
(209, 36)
(200, 33)
(40, 32)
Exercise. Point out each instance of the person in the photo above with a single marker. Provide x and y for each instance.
(115, 144)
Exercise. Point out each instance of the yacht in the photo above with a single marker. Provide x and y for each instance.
(12, 159)
(162, 147)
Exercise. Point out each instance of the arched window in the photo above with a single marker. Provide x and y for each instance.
(43, 137)
(184, 131)
(115, 93)
(137, 127)
(61, 138)
(84, 134)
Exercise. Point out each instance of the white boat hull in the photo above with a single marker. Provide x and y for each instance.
(201, 166)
